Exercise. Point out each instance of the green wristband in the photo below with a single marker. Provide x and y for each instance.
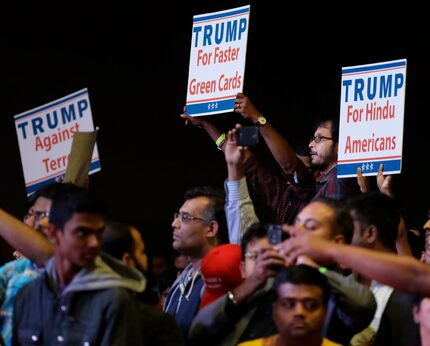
(220, 139)
(322, 270)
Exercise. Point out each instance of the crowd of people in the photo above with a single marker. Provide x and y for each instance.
(342, 274)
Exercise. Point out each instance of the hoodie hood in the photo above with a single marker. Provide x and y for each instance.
(107, 272)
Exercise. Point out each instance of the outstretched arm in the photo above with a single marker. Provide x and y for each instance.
(201, 122)
(281, 150)
(27, 240)
(402, 272)
(239, 208)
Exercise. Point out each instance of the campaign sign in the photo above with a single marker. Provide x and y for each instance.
(217, 61)
(45, 136)
(371, 118)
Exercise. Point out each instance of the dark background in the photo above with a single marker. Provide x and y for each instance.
(134, 60)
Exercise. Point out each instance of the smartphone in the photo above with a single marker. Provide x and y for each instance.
(247, 136)
(274, 233)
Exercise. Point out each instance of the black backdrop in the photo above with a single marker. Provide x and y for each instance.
(133, 58)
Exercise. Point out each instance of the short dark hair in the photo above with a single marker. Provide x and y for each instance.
(417, 299)
(334, 131)
(255, 231)
(215, 208)
(380, 210)
(301, 274)
(47, 191)
(117, 239)
(73, 199)
(342, 221)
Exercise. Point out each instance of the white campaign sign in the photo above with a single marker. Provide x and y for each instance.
(45, 136)
(217, 61)
(371, 118)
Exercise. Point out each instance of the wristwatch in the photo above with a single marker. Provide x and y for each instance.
(231, 298)
(261, 121)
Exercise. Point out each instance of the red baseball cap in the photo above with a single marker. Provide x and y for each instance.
(221, 271)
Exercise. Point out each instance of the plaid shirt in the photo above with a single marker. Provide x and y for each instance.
(284, 195)
(330, 186)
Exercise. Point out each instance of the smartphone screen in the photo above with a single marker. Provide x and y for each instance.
(247, 136)
(274, 233)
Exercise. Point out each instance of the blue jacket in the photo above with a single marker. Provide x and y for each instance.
(183, 301)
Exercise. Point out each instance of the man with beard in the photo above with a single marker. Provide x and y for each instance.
(125, 243)
(285, 194)
(323, 150)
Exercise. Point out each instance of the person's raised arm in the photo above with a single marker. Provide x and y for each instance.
(27, 240)
(239, 208)
(401, 272)
(281, 150)
(202, 122)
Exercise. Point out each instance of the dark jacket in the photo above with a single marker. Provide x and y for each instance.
(398, 327)
(158, 327)
(351, 308)
(96, 308)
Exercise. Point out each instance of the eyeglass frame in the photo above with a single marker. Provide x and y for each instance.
(251, 255)
(38, 214)
(188, 218)
(318, 138)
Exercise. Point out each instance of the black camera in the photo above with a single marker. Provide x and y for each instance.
(247, 136)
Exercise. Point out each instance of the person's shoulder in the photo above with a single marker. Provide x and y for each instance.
(254, 342)
(31, 289)
(327, 342)
(15, 265)
(117, 292)
(152, 314)
(158, 325)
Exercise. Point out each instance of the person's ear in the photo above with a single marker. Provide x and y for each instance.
(336, 148)
(415, 313)
(242, 269)
(127, 259)
(371, 234)
(339, 238)
(52, 232)
(213, 229)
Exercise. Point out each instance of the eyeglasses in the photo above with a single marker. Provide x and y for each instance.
(187, 218)
(38, 214)
(318, 138)
(251, 255)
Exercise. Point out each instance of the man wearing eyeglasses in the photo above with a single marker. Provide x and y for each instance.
(285, 195)
(323, 150)
(15, 274)
(198, 227)
(245, 313)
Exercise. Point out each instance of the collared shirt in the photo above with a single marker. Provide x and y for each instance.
(280, 193)
(239, 209)
(330, 186)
